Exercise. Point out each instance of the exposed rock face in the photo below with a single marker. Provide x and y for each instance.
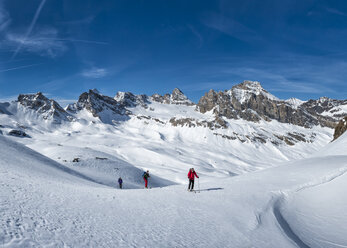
(128, 99)
(47, 108)
(105, 108)
(249, 101)
(18, 133)
(190, 122)
(340, 128)
(177, 97)
(327, 107)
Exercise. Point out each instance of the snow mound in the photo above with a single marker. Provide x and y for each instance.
(19, 158)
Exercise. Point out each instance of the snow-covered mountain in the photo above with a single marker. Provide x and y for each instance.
(249, 101)
(241, 127)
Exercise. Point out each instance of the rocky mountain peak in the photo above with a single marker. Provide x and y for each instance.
(249, 85)
(128, 99)
(95, 91)
(31, 98)
(176, 97)
(101, 106)
(294, 102)
(324, 99)
(47, 108)
(245, 90)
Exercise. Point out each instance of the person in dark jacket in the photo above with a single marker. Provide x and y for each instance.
(191, 176)
(145, 177)
(120, 181)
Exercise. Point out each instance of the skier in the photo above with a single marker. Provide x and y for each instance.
(191, 175)
(145, 177)
(120, 181)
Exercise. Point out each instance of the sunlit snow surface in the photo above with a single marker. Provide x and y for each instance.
(283, 196)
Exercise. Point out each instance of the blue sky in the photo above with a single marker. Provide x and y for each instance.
(63, 47)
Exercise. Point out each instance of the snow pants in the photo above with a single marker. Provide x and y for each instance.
(146, 182)
(191, 184)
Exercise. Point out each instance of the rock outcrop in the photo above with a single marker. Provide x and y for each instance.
(18, 133)
(340, 128)
(327, 107)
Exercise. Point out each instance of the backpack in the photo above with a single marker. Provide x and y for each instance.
(145, 175)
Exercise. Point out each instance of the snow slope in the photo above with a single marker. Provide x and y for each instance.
(297, 204)
(149, 141)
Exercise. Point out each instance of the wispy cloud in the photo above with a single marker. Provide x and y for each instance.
(30, 29)
(43, 43)
(335, 11)
(196, 34)
(5, 19)
(57, 84)
(18, 68)
(95, 73)
(230, 27)
(83, 41)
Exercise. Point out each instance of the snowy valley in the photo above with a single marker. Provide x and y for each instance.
(269, 174)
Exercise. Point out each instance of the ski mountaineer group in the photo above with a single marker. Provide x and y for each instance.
(191, 176)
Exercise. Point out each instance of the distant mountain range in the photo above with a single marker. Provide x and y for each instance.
(246, 101)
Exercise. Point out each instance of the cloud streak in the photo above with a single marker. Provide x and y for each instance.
(95, 73)
(196, 34)
(19, 67)
(5, 19)
(43, 43)
(30, 29)
(84, 41)
(230, 27)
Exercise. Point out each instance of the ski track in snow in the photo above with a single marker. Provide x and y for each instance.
(278, 200)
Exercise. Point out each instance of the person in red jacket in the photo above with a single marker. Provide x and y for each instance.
(191, 175)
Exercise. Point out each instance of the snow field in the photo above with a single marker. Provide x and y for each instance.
(51, 207)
